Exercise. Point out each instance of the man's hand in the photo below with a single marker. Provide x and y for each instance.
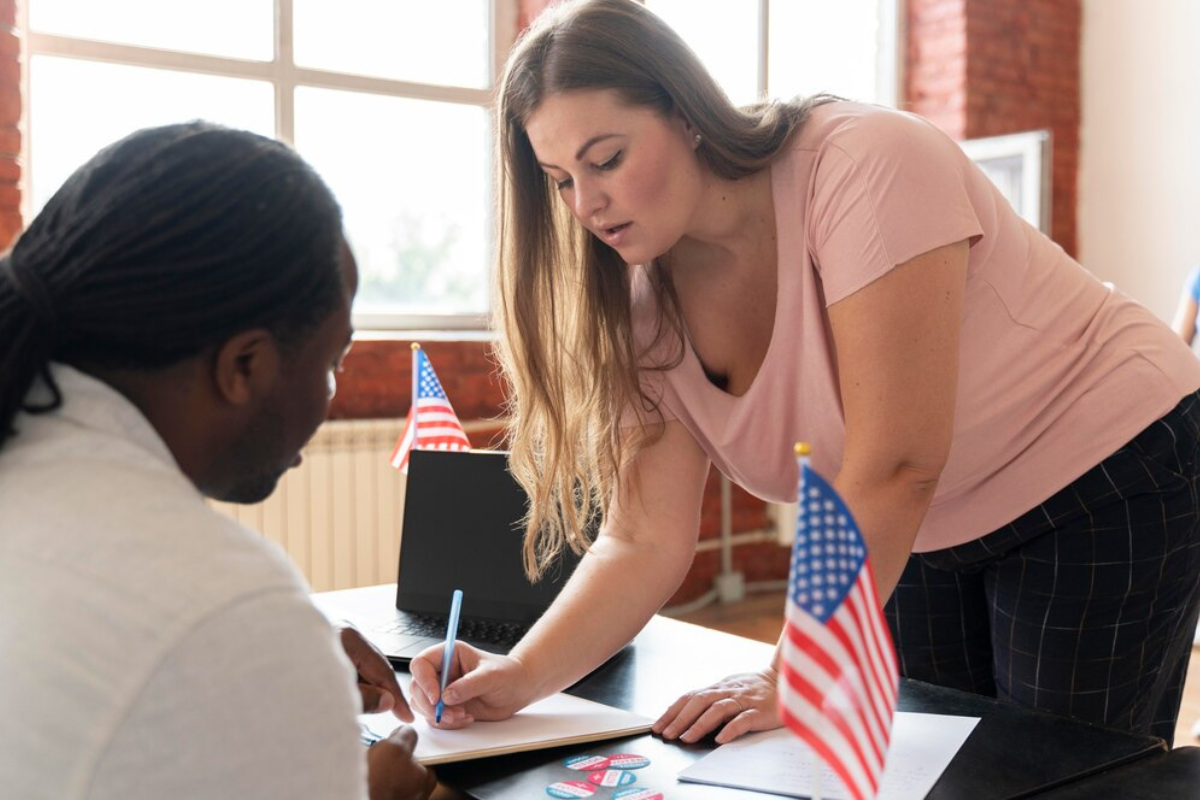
(376, 679)
(393, 773)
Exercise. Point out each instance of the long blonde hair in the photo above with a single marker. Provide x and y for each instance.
(567, 347)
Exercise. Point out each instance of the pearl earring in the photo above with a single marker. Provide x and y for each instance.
(698, 139)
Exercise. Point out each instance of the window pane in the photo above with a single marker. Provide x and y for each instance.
(819, 46)
(235, 28)
(724, 35)
(77, 107)
(412, 178)
(428, 42)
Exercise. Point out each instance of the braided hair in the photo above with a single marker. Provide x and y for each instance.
(165, 243)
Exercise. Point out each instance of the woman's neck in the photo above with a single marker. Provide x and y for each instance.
(734, 219)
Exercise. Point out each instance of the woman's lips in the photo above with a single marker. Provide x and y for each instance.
(615, 235)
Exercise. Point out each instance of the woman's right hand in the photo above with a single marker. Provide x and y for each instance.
(483, 686)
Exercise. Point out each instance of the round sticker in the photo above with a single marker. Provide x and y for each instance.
(586, 763)
(628, 761)
(568, 789)
(634, 793)
(612, 777)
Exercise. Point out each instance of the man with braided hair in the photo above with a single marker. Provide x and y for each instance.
(170, 328)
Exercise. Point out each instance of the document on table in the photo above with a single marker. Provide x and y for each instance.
(778, 762)
(560, 719)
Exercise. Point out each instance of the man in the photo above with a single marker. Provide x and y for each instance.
(170, 327)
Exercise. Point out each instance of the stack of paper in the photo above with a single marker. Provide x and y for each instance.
(779, 763)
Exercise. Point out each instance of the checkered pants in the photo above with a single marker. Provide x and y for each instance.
(1085, 605)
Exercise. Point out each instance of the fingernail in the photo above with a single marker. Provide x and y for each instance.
(450, 697)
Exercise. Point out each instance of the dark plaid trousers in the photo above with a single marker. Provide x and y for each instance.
(1085, 605)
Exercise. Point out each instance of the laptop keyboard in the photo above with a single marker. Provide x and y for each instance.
(503, 633)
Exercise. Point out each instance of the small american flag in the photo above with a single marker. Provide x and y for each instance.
(432, 423)
(838, 671)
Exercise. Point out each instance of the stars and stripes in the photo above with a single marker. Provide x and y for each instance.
(432, 423)
(838, 672)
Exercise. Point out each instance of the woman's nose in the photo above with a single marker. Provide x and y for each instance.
(589, 200)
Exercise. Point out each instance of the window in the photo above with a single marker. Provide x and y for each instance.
(388, 100)
(786, 48)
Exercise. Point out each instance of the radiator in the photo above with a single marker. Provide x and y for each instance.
(338, 514)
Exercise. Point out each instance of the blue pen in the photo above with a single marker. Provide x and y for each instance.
(448, 650)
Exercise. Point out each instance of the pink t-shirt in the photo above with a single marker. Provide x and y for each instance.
(1057, 370)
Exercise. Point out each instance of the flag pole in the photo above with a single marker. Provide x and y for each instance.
(802, 451)
(412, 410)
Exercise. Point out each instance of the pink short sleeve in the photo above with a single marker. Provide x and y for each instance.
(887, 187)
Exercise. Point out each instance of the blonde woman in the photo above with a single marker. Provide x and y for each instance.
(685, 283)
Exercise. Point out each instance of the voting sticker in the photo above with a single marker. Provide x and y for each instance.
(612, 777)
(587, 763)
(634, 793)
(627, 761)
(568, 789)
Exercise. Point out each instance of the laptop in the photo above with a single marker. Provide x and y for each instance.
(462, 530)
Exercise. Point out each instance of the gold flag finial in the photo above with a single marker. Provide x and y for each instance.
(802, 448)
(415, 346)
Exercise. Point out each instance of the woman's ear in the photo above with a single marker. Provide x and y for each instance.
(246, 367)
(688, 130)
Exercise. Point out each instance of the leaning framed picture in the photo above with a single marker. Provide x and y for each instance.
(1019, 165)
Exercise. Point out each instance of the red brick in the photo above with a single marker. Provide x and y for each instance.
(10, 105)
(10, 197)
(10, 140)
(10, 43)
(10, 225)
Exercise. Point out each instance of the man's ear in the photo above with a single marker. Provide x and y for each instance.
(246, 367)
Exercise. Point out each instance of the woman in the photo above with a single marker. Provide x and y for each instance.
(713, 284)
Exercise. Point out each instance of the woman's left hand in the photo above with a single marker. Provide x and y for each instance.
(741, 703)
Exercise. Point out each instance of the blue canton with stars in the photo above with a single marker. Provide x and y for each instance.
(428, 385)
(828, 553)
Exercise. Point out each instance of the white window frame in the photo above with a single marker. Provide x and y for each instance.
(889, 56)
(285, 77)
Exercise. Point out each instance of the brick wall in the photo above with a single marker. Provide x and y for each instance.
(10, 118)
(989, 67)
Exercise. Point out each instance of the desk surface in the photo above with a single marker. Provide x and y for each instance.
(1162, 775)
(1013, 752)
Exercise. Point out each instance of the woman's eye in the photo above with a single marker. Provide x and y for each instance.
(563, 184)
(611, 163)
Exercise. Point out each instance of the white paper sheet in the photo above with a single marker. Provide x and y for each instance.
(778, 762)
(558, 720)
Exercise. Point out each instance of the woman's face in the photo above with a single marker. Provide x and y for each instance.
(628, 174)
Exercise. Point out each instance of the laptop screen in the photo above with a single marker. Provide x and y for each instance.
(462, 530)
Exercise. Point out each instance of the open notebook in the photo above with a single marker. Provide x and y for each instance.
(560, 719)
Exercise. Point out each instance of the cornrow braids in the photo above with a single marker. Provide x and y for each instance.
(164, 243)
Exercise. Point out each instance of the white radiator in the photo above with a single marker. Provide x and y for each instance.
(338, 514)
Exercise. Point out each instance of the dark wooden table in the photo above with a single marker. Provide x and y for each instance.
(1162, 776)
(1013, 751)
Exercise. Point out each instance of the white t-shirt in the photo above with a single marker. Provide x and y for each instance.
(149, 646)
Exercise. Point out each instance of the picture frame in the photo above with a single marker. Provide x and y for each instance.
(1019, 165)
